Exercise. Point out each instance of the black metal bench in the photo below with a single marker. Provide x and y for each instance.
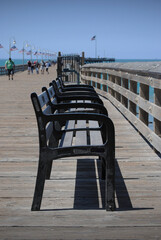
(73, 87)
(74, 94)
(59, 124)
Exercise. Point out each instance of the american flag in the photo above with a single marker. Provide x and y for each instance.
(22, 50)
(29, 52)
(13, 48)
(93, 38)
(1, 46)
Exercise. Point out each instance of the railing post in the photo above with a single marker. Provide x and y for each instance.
(124, 85)
(133, 88)
(98, 84)
(109, 89)
(88, 75)
(157, 101)
(111, 80)
(104, 87)
(82, 62)
(89, 80)
(118, 82)
(93, 82)
(59, 65)
(144, 93)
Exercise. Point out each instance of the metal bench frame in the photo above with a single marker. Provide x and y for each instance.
(49, 121)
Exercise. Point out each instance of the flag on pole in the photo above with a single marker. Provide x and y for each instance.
(29, 52)
(13, 48)
(22, 50)
(1, 46)
(93, 38)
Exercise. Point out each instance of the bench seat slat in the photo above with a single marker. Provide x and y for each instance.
(95, 136)
(67, 139)
(81, 136)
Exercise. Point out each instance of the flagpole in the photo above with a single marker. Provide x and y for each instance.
(9, 49)
(95, 39)
(24, 52)
(14, 42)
(95, 47)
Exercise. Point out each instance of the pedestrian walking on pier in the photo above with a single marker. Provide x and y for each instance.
(32, 67)
(29, 67)
(47, 67)
(42, 67)
(37, 65)
(10, 66)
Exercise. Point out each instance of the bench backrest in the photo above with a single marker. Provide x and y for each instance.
(56, 87)
(59, 79)
(51, 93)
(41, 104)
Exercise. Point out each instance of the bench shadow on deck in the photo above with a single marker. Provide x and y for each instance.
(89, 188)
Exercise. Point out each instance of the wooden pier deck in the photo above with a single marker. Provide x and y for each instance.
(73, 201)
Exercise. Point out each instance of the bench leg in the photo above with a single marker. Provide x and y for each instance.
(39, 187)
(48, 170)
(110, 189)
(53, 142)
(103, 168)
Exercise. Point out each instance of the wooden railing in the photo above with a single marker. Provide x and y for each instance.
(18, 68)
(128, 86)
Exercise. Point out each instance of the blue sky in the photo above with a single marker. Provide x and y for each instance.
(124, 29)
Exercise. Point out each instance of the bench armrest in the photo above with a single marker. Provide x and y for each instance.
(78, 85)
(73, 89)
(66, 106)
(80, 97)
(80, 93)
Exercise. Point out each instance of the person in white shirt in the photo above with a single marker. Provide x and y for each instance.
(47, 67)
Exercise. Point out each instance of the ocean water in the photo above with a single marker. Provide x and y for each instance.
(137, 60)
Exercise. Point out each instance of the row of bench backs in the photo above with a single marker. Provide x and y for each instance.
(53, 121)
(46, 103)
(68, 87)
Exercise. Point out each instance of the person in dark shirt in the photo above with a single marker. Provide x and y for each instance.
(29, 67)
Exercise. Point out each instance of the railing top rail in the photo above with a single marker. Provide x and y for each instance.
(149, 69)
